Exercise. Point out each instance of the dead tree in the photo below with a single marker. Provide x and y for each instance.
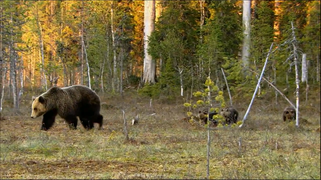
(295, 56)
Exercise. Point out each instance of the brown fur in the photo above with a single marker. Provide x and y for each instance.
(289, 114)
(204, 116)
(68, 103)
(230, 114)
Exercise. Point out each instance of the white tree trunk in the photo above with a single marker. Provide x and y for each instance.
(3, 77)
(246, 33)
(304, 77)
(114, 79)
(43, 74)
(2, 70)
(87, 62)
(84, 50)
(318, 68)
(149, 21)
(180, 71)
(257, 86)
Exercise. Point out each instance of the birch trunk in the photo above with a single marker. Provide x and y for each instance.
(247, 29)
(2, 70)
(149, 21)
(304, 77)
(3, 77)
(180, 71)
(257, 86)
(114, 78)
(87, 62)
(202, 19)
(318, 68)
(13, 76)
(121, 72)
(43, 73)
(13, 73)
(84, 48)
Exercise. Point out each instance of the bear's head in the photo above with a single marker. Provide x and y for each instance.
(38, 106)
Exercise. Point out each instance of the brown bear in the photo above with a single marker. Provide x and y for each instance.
(68, 103)
(230, 114)
(289, 113)
(203, 116)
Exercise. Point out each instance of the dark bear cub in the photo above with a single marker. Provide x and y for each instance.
(68, 103)
(230, 114)
(289, 114)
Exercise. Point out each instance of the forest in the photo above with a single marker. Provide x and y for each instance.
(100, 44)
(150, 59)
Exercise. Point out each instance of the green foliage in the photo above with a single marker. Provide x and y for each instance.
(174, 39)
(262, 32)
(169, 82)
(149, 90)
(222, 37)
(292, 11)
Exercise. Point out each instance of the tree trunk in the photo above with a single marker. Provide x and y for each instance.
(228, 88)
(257, 86)
(149, 21)
(21, 69)
(87, 62)
(83, 47)
(114, 78)
(297, 79)
(247, 30)
(2, 70)
(3, 77)
(121, 72)
(43, 73)
(13, 76)
(318, 68)
(180, 71)
(305, 76)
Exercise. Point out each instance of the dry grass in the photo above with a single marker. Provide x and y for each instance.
(161, 146)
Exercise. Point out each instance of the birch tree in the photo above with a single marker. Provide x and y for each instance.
(149, 20)
(247, 29)
(83, 46)
(43, 73)
(2, 71)
(114, 79)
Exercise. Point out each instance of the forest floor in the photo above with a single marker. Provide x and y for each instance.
(163, 145)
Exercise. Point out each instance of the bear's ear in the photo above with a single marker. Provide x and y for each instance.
(41, 99)
(33, 98)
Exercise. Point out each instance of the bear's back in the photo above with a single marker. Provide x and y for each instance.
(82, 93)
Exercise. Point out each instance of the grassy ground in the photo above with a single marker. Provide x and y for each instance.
(162, 145)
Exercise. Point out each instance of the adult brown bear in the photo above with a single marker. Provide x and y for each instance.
(68, 103)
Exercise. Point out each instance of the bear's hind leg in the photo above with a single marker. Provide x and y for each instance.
(48, 120)
(72, 121)
(86, 122)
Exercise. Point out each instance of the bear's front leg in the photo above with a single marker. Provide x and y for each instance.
(48, 120)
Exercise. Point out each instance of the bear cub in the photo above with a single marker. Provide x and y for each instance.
(230, 114)
(68, 103)
(289, 114)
